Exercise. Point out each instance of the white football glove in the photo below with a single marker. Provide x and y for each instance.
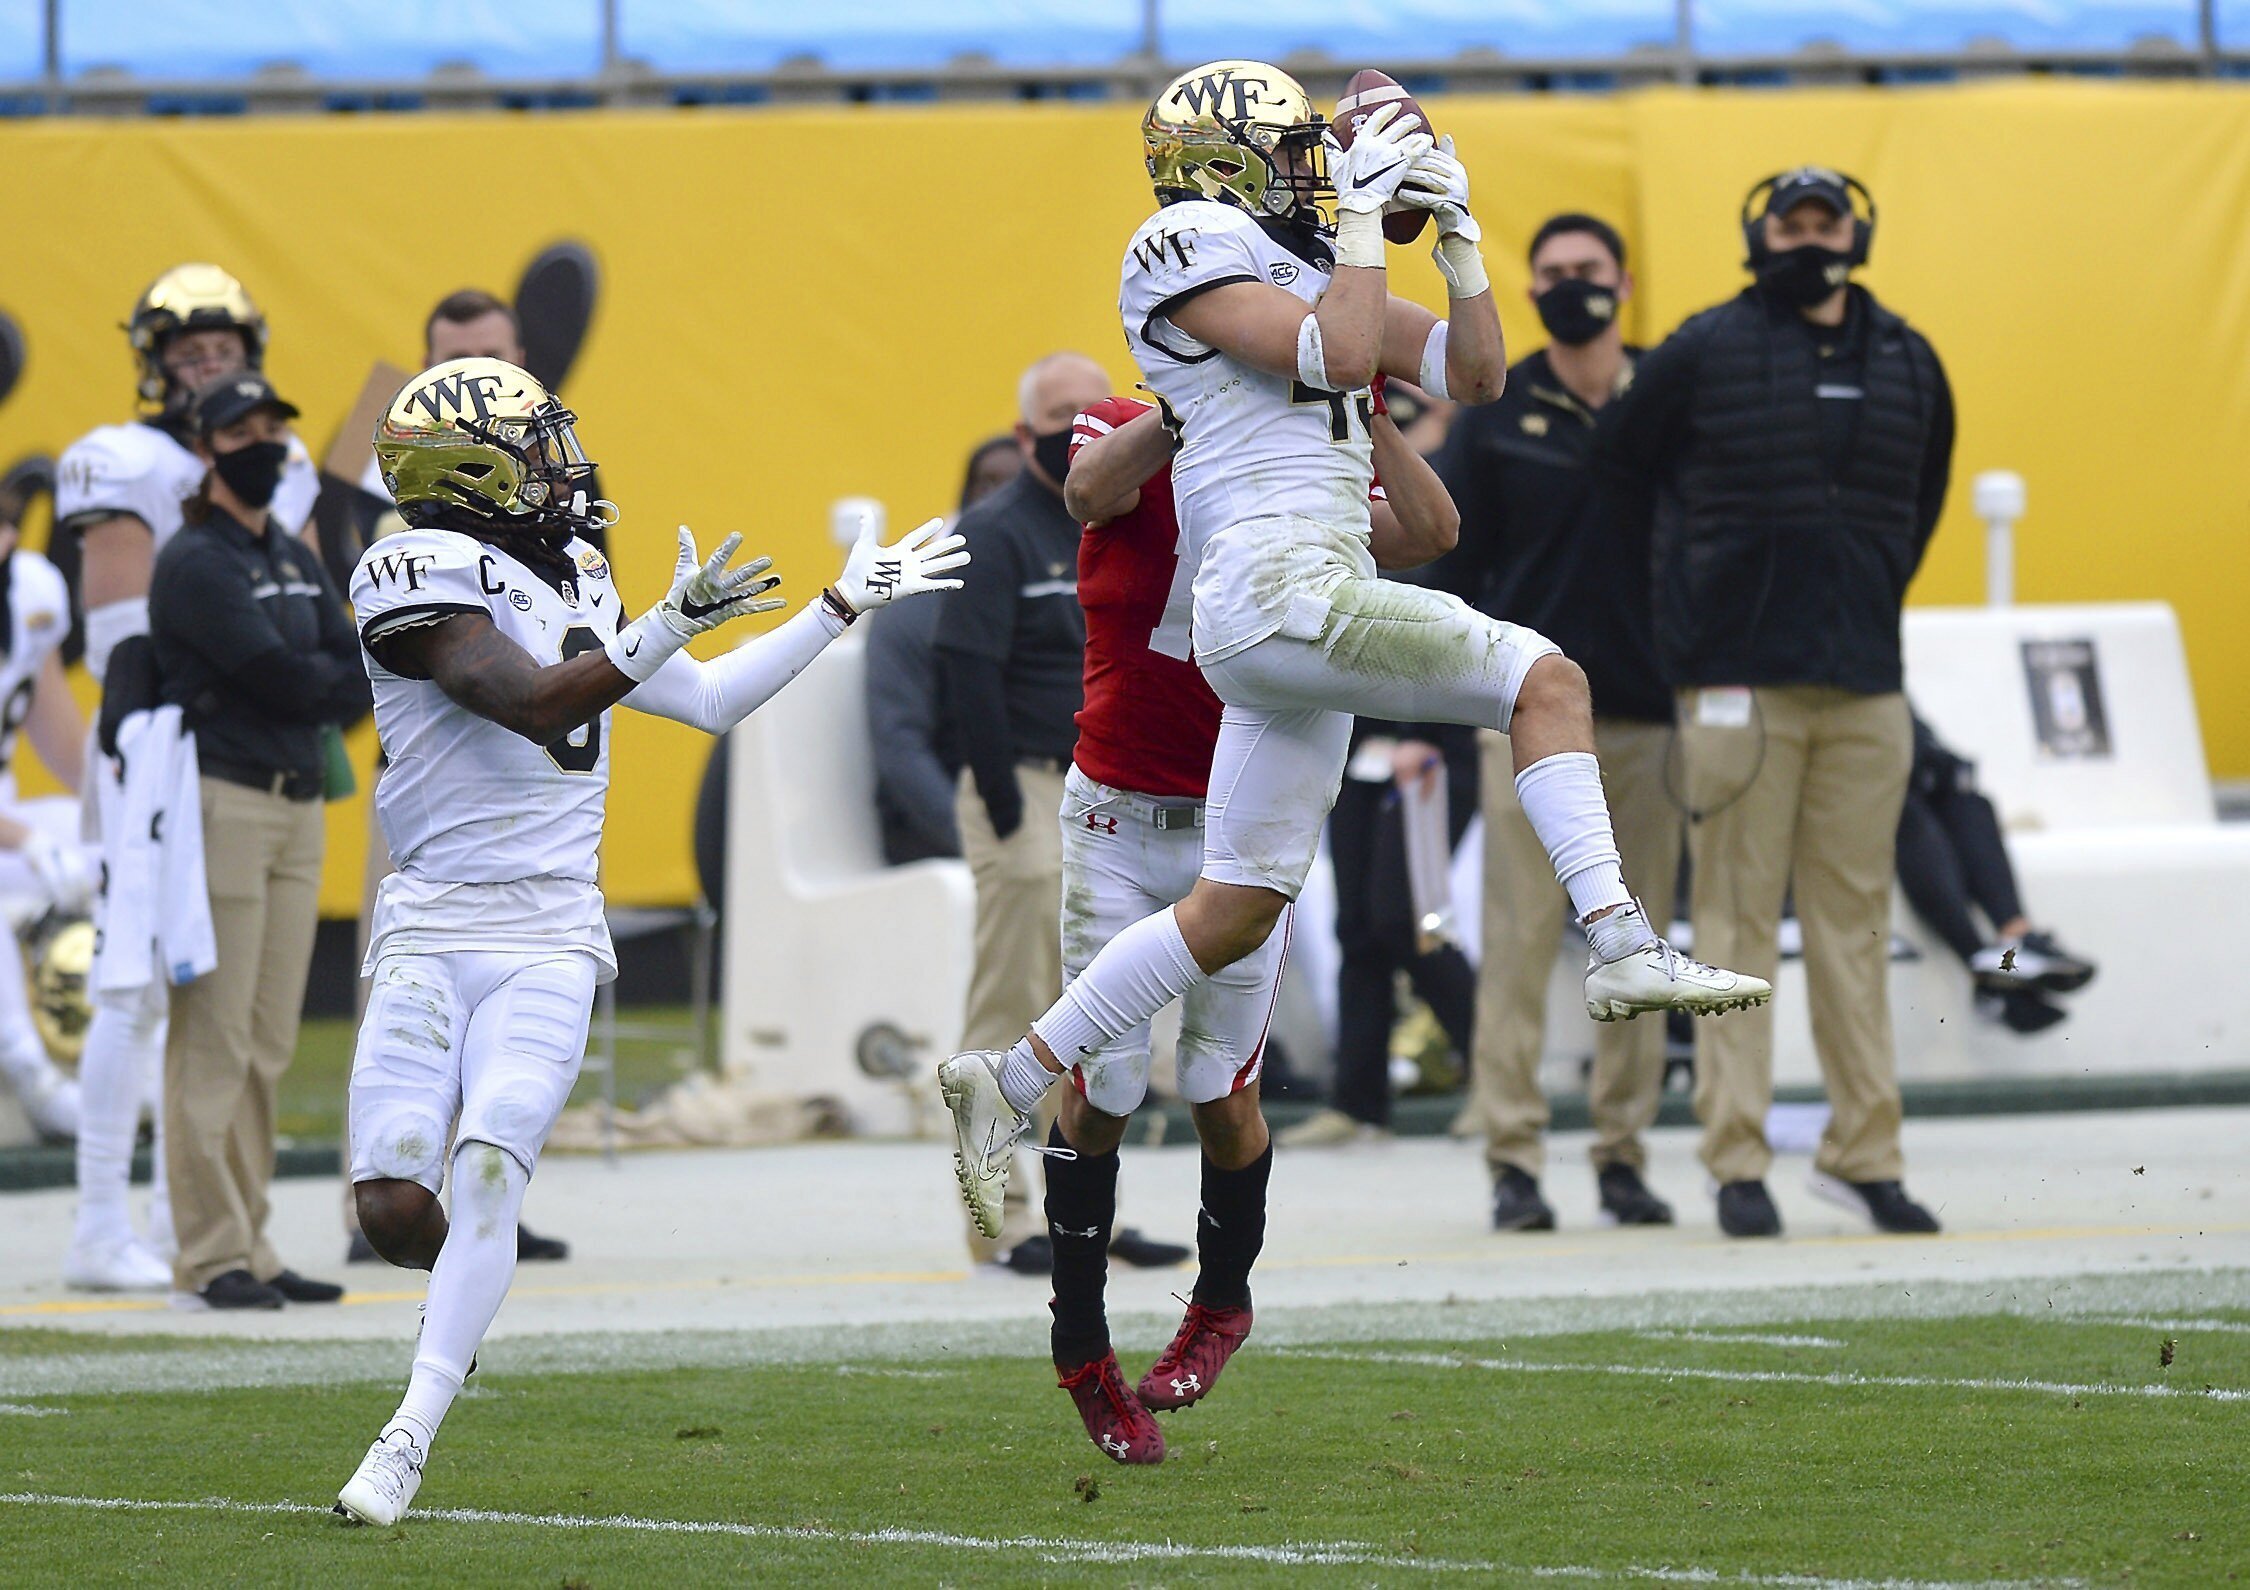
(1439, 183)
(705, 594)
(1367, 175)
(62, 871)
(876, 576)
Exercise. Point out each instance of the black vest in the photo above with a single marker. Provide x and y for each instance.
(1770, 570)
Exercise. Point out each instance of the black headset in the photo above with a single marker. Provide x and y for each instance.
(1753, 214)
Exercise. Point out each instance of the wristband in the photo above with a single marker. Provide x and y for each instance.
(1462, 266)
(1359, 239)
(642, 647)
(837, 608)
(1312, 357)
(1432, 378)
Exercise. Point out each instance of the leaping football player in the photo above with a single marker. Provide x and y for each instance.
(1132, 837)
(493, 638)
(1261, 328)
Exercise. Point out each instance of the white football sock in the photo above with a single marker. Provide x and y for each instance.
(467, 1283)
(122, 1040)
(1024, 1079)
(1562, 797)
(1136, 975)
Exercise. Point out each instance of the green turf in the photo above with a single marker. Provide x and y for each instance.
(312, 1089)
(1457, 1454)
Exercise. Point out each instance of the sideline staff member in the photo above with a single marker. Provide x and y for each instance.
(253, 646)
(1804, 434)
(1551, 541)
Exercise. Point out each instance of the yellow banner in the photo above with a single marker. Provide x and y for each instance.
(798, 305)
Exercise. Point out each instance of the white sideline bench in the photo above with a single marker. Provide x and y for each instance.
(827, 947)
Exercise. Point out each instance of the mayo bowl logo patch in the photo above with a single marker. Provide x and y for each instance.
(591, 563)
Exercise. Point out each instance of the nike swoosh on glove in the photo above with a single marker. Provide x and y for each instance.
(705, 593)
(1367, 175)
(875, 576)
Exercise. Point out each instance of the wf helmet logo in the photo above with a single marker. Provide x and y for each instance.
(1229, 95)
(1096, 823)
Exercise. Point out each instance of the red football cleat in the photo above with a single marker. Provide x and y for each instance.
(1190, 1367)
(1114, 1417)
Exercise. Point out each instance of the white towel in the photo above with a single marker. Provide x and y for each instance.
(155, 912)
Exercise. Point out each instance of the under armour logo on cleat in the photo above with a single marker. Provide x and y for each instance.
(1116, 1446)
(1181, 1388)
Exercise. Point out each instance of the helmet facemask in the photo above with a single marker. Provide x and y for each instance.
(554, 473)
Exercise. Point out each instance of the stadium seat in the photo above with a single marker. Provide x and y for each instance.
(825, 946)
(709, 36)
(343, 39)
(1414, 30)
(1783, 27)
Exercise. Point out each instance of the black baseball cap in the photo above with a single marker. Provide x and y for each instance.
(233, 397)
(1816, 184)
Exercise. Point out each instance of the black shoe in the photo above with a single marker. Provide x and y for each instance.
(1746, 1210)
(1516, 1204)
(1031, 1256)
(1883, 1202)
(1129, 1246)
(1627, 1199)
(2058, 971)
(2022, 1010)
(359, 1250)
(240, 1289)
(530, 1247)
(297, 1289)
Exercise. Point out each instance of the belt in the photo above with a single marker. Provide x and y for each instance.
(1161, 815)
(272, 780)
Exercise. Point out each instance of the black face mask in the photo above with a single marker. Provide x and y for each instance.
(1051, 452)
(1576, 311)
(1804, 276)
(252, 473)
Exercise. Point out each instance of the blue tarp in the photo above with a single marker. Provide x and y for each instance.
(404, 39)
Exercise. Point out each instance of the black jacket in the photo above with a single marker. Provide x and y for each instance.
(252, 643)
(1786, 535)
(1552, 542)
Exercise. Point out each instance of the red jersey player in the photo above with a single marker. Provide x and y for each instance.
(1132, 836)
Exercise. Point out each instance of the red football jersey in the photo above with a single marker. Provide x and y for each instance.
(1150, 722)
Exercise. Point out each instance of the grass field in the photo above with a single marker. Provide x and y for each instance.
(1976, 1449)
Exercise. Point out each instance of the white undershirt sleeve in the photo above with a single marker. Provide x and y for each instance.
(714, 696)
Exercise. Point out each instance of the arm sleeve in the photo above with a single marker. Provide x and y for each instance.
(902, 722)
(976, 696)
(416, 577)
(715, 696)
(1180, 252)
(1642, 429)
(1937, 463)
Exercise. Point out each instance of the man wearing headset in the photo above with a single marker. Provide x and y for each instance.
(1803, 435)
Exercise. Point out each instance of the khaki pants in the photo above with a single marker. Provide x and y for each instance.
(1524, 909)
(1018, 968)
(1809, 789)
(234, 1031)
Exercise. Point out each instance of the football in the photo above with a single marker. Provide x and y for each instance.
(1368, 92)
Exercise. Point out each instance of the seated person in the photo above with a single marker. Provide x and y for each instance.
(1951, 857)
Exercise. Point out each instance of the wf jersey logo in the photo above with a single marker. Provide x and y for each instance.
(400, 568)
(1096, 823)
(1174, 247)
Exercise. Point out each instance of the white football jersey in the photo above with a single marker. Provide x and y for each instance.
(1257, 450)
(38, 618)
(463, 800)
(142, 470)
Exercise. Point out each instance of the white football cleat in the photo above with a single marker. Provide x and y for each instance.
(985, 1129)
(1659, 977)
(388, 1477)
(121, 1263)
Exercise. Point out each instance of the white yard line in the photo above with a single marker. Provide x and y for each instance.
(1754, 1338)
(25, 1410)
(1049, 1548)
(1796, 1377)
(2230, 1327)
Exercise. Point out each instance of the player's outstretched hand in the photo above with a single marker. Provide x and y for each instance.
(876, 576)
(706, 593)
(1367, 175)
(1439, 183)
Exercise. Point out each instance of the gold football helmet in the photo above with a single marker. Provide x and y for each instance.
(480, 444)
(192, 297)
(1240, 132)
(62, 998)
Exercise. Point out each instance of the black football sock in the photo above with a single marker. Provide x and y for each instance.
(1230, 1229)
(1081, 1209)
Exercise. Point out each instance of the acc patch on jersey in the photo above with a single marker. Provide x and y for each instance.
(521, 599)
